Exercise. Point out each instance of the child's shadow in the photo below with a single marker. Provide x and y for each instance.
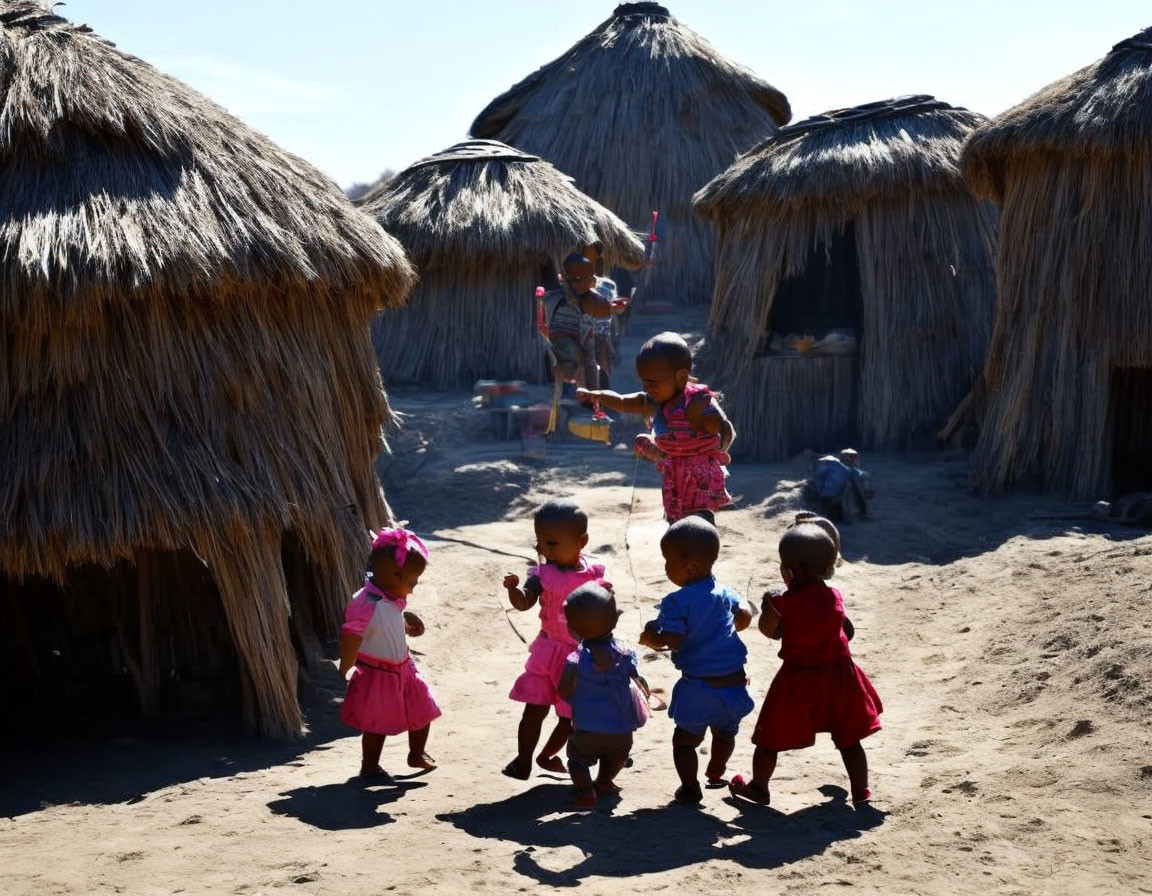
(653, 840)
(341, 807)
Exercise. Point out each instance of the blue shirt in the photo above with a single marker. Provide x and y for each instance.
(703, 612)
(603, 701)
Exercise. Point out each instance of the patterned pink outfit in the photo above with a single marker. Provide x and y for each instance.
(548, 653)
(694, 464)
(386, 694)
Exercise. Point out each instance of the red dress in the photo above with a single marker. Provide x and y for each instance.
(818, 687)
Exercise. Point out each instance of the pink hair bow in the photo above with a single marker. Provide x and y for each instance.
(403, 541)
(606, 585)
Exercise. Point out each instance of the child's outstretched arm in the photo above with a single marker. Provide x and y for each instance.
(566, 687)
(655, 637)
(522, 599)
(632, 403)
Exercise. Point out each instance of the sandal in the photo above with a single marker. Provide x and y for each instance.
(688, 795)
(552, 764)
(376, 774)
(749, 790)
(512, 770)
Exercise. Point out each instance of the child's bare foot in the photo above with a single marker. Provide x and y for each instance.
(421, 760)
(715, 776)
(607, 788)
(689, 794)
(584, 798)
(552, 764)
(515, 770)
(375, 773)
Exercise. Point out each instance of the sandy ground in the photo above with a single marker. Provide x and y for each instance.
(1013, 654)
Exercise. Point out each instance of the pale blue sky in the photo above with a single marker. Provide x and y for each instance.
(358, 86)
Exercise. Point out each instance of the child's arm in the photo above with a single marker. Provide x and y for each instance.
(658, 639)
(632, 403)
(769, 617)
(349, 647)
(595, 304)
(566, 687)
(522, 599)
(705, 415)
(742, 616)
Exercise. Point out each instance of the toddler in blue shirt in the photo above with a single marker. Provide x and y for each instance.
(699, 623)
(596, 682)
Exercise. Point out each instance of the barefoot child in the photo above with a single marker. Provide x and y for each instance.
(818, 687)
(561, 536)
(699, 623)
(386, 694)
(690, 434)
(597, 684)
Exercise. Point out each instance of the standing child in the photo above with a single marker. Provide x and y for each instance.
(386, 694)
(597, 683)
(818, 687)
(561, 536)
(690, 434)
(700, 624)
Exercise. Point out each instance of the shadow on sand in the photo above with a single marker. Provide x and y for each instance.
(654, 840)
(353, 805)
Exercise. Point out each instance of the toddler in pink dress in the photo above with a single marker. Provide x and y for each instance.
(561, 536)
(690, 435)
(386, 694)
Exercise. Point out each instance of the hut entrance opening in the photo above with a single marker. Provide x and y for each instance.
(823, 301)
(1131, 414)
(144, 639)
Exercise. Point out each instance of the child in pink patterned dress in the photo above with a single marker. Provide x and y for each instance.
(386, 694)
(690, 434)
(561, 536)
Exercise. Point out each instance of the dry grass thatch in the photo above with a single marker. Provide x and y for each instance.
(1071, 169)
(188, 382)
(481, 220)
(642, 112)
(886, 173)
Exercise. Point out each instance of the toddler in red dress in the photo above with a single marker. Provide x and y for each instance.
(818, 687)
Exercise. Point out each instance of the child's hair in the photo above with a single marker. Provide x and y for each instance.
(807, 516)
(693, 538)
(592, 609)
(398, 543)
(670, 348)
(576, 258)
(808, 551)
(563, 512)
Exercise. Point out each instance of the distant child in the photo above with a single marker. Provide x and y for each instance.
(561, 536)
(699, 623)
(570, 309)
(598, 684)
(818, 687)
(604, 329)
(386, 694)
(690, 434)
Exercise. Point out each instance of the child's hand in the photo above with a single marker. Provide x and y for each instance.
(413, 627)
(511, 581)
(583, 394)
(619, 304)
(770, 595)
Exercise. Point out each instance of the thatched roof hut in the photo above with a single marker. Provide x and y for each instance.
(854, 287)
(190, 404)
(485, 224)
(1069, 373)
(642, 112)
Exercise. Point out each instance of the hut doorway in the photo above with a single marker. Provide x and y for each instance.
(112, 646)
(1131, 416)
(825, 298)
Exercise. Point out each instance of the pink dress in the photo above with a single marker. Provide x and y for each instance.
(819, 687)
(548, 653)
(694, 465)
(386, 694)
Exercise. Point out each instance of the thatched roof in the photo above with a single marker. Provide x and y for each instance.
(1103, 109)
(848, 157)
(481, 220)
(883, 179)
(642, 112)
(117, 180)
(188, 367)
(482, 200)
(1071, 169)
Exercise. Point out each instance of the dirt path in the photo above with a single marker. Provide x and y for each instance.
(1014, 657)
